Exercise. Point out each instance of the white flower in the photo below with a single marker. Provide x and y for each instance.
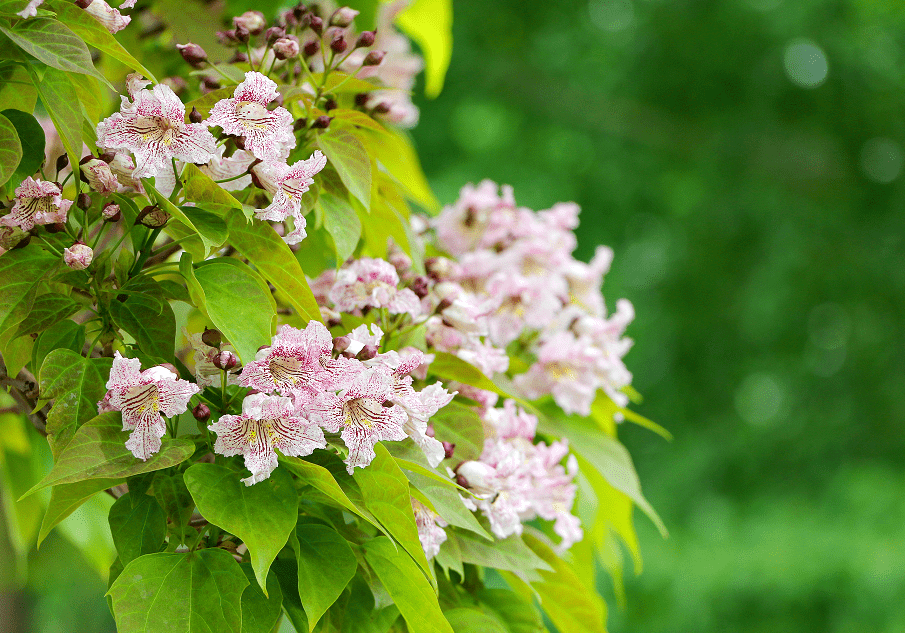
(287, 184)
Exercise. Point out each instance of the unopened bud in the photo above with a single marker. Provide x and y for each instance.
(347, 354)
(367, 352)
(56, 227)
(240, 142)
(225, 360)
(381, 108)
(227, 38)
(420, 287)
(210, 84)
(330, 104)
(316, 24)
(343, 17)
(341, 344)
(152, 217)
(83, 201)
(448, 449)
(111, 212)
(239, 57)
(274, 33)
(322, 122)
(83, 4)
(202, 412)
(108, 157)
(361, 99)
(373, 58)
(62, 162)
(338, 44)
(195, 116)
(169, 367)
(311, 48)
(242, 34)
(211, 338)
(289, 19)
(193, 54)
(366, 39)
(252, 21)
(445, 303)
(286, 47)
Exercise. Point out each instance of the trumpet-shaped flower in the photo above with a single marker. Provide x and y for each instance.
(372, 283)
(143, 397)
(296, 361)
(268, 133)
(100, 177)
(37, 202)
(362, 414)
(287, 184)
(111, 18)
(152, 126)
(267, 424)
(430, 528)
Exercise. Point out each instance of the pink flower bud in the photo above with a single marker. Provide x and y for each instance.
(341, 344)
(373, 58)
(78, 256)
(111, 212)
(338, 44)
(252, 21)
(211, 338)
(343, 17)
(99, 177)
(448, 449)
(202, 412)
(311, 48)
(225, 360)
(274, 33)
(367, 352)
(286, 47)
(366, 39)
(193, 54)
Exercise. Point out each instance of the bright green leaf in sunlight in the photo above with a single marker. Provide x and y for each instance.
(10, 149)
(516, 612)
(31, 136)
(429, 23)
(465, 620)
(349, 158)
(408, 587)
(195, 591)
(262, 515)
(16, 89)
(98, 450)
(66, 499)
(239, 303)
(326, 564)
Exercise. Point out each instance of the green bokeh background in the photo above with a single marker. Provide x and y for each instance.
(744, 159)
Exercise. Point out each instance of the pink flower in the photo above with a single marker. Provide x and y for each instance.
(287, 184)
(123, 167)
(78, 256)
(100, 177)
(372, 283)
(430, 528)
(510, 421)
(268, 133)
(564, 368)
(152, 126)
(223, 168)
(37, 202)
(111, 18)
(296, 361)
(31, 9)
(266, 423)
(360, 414)
(143, 397)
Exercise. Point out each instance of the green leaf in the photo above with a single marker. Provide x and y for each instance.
(47, 310)
(451, 367)
(395, 152)
(355, 118)
(173, 496)
(63, 335)
(518, 614)
(342, 223)
(429, 23)
(16, 89)
(510, 554)
(31, 136)
(98, 450)
(287, 573)
(407, 585)
(50, 41)
(198, 187)
(137, 528)
(259, 244)
(239, 303)
(10, 149)
(21, 270)
(385, 490)
(461, 425)
(447, 503)
(148, 319)
(196, 591)
(211, 234)
(62, 104)
(205, 222)
(76, 384)
(261, 613)
(465, 620)
(94, 33)
(262, 515)
(66, 499)
(326, 564)
(349, 158)
(572, 606)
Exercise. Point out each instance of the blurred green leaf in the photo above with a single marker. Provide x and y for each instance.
(465, 620)
(518, 614)
(429, 23)
(10, 149)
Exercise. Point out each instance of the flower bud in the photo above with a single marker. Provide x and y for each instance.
(239, 142)
(474, 475)
(111, 212)
(299, 11)
(99, 177)
(209, 84)
(211, 338)
(83, 201)
(195, 116)
(108, 157)
(341, 344)
(330, 104)
(448, 449)
(444, 304)
(289, 20)
(83, 4)
(381, 108)
(273, 34)
(62, 162)
(262, 348)
(311, 48)
(242, 34)
(338, 44)
(170, 367)
(78, 256)
(193, 54)
(361, 99)
(239, 57)
(343, 17)
(202, 412)
(367, 352)
(252, 21)
(373, 58)
(56, 227)
(177, 84)
(227, 38)
(420, 287)
(366, 39)
(225, 360)
(152, 217)
(322, 122)
(316, 24)
(286, 47)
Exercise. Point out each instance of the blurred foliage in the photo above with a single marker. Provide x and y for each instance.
(744, 159)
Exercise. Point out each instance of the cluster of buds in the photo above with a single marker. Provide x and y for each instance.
(213, 357)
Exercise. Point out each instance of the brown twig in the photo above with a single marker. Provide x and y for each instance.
(24, 391)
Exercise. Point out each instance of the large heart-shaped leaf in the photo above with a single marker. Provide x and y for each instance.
(342, 223)
(326, 564)
(261, 613)
(197, 591)
(262, 515)
(350, 160)
(66, 499)
(64, 334)
(47, 310)
(21, 270)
